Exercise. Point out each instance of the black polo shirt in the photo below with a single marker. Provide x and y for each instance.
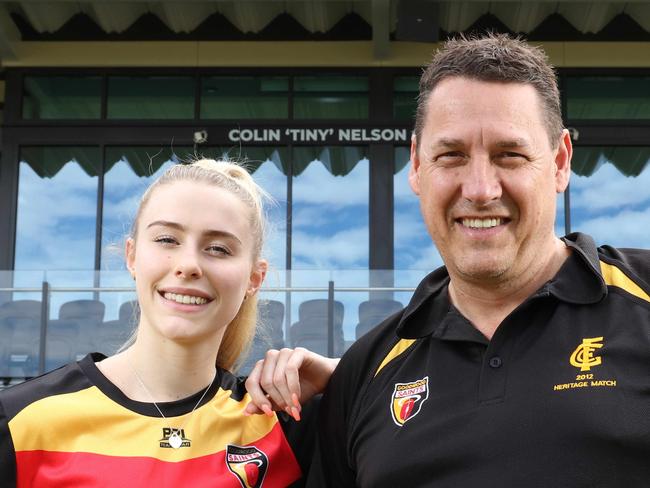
(559, 397)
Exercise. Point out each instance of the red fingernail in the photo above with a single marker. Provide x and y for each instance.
(296, 403)
(295, 414)
(267, 410)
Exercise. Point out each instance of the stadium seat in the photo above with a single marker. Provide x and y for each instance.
(113, 334)
(89, 315)
(311, 329)
(268, 334)
(61, 343)
(373, 312)
(23, 319)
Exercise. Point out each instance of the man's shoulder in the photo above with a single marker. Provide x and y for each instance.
(626, 267)
(364, 358)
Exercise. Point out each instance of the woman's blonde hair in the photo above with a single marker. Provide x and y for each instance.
(234, 178)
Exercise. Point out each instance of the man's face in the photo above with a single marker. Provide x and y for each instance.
(487, 177)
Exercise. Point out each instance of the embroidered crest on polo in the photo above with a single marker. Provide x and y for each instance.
(407, 400)
(248, 464)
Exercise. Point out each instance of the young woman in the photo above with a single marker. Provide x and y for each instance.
(166, 411)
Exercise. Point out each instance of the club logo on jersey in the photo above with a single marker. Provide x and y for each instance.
(407, 400)
(248, 464)
(174, 438)
(583, 356)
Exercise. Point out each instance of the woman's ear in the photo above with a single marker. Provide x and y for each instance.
(258, 273)
(129, 256)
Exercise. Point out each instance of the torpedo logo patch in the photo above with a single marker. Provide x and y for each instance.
(407, 400)
(248, 464)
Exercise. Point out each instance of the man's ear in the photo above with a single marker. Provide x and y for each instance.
(129, 255)
(414, 170)
(563, 162)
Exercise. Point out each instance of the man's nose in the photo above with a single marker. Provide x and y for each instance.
(188, 265)
(481, 182)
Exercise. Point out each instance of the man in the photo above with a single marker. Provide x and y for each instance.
(524, 361)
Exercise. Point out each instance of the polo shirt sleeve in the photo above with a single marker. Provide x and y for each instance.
(7, 453)
(331, 466)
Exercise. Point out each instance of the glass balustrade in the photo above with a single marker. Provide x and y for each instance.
(49, 318)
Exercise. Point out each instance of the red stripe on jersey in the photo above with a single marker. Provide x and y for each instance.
(80, 469)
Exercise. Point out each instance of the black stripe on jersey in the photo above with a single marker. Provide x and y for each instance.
(66, 379)
(8, 462)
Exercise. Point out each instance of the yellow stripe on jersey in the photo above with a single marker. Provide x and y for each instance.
(615, 277)
(88, 421)
(397, 349)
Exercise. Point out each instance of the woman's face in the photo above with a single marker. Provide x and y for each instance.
(193, 261)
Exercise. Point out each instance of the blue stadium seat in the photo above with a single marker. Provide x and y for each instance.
(114, 333)
(268, 335)
(23, 319)
(61, 343)
(89, 315)
(373, 312)
(311, 329)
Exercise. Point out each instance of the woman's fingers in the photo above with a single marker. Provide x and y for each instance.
(259, 401)
(274, 382)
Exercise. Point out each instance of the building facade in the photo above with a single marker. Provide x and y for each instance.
(317, 98)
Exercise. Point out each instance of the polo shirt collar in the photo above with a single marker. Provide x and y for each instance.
(428, 306)
(578, 281)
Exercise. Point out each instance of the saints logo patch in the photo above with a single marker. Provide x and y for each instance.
(248, 464)
(407, 400)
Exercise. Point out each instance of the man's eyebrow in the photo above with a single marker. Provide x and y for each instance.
(208, 233)
(510, 143)
(447, 142)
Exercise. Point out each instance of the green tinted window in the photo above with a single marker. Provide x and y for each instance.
(330, 97)
(245, 97)
(612, 97)
(62, 97)
(152, 97)
(405, 97)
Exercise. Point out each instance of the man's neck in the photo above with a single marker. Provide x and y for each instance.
(486, 305)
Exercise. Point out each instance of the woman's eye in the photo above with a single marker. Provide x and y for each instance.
(165, 240)
(218, 250)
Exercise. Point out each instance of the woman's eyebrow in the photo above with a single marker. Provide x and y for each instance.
(207, 233)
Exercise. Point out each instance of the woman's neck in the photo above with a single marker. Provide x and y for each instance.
(161, 371)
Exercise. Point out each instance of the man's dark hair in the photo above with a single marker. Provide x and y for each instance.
(494, 57)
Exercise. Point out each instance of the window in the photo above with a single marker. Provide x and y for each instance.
(609, 194)
(245, 97)
(62, 97)
(151, 97)
(330, 208)
(608, 97)
(405, 95)
(330, 97)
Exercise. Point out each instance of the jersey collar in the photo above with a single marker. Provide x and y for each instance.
(579, 281)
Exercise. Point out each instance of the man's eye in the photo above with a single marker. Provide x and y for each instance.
(511, 155)
(451, 154)
(451, 158)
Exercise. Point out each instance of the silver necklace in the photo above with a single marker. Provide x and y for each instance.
(175, 438)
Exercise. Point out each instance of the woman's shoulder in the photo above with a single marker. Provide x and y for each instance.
(66, 379)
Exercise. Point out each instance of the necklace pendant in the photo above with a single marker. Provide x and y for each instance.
(175, 440)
